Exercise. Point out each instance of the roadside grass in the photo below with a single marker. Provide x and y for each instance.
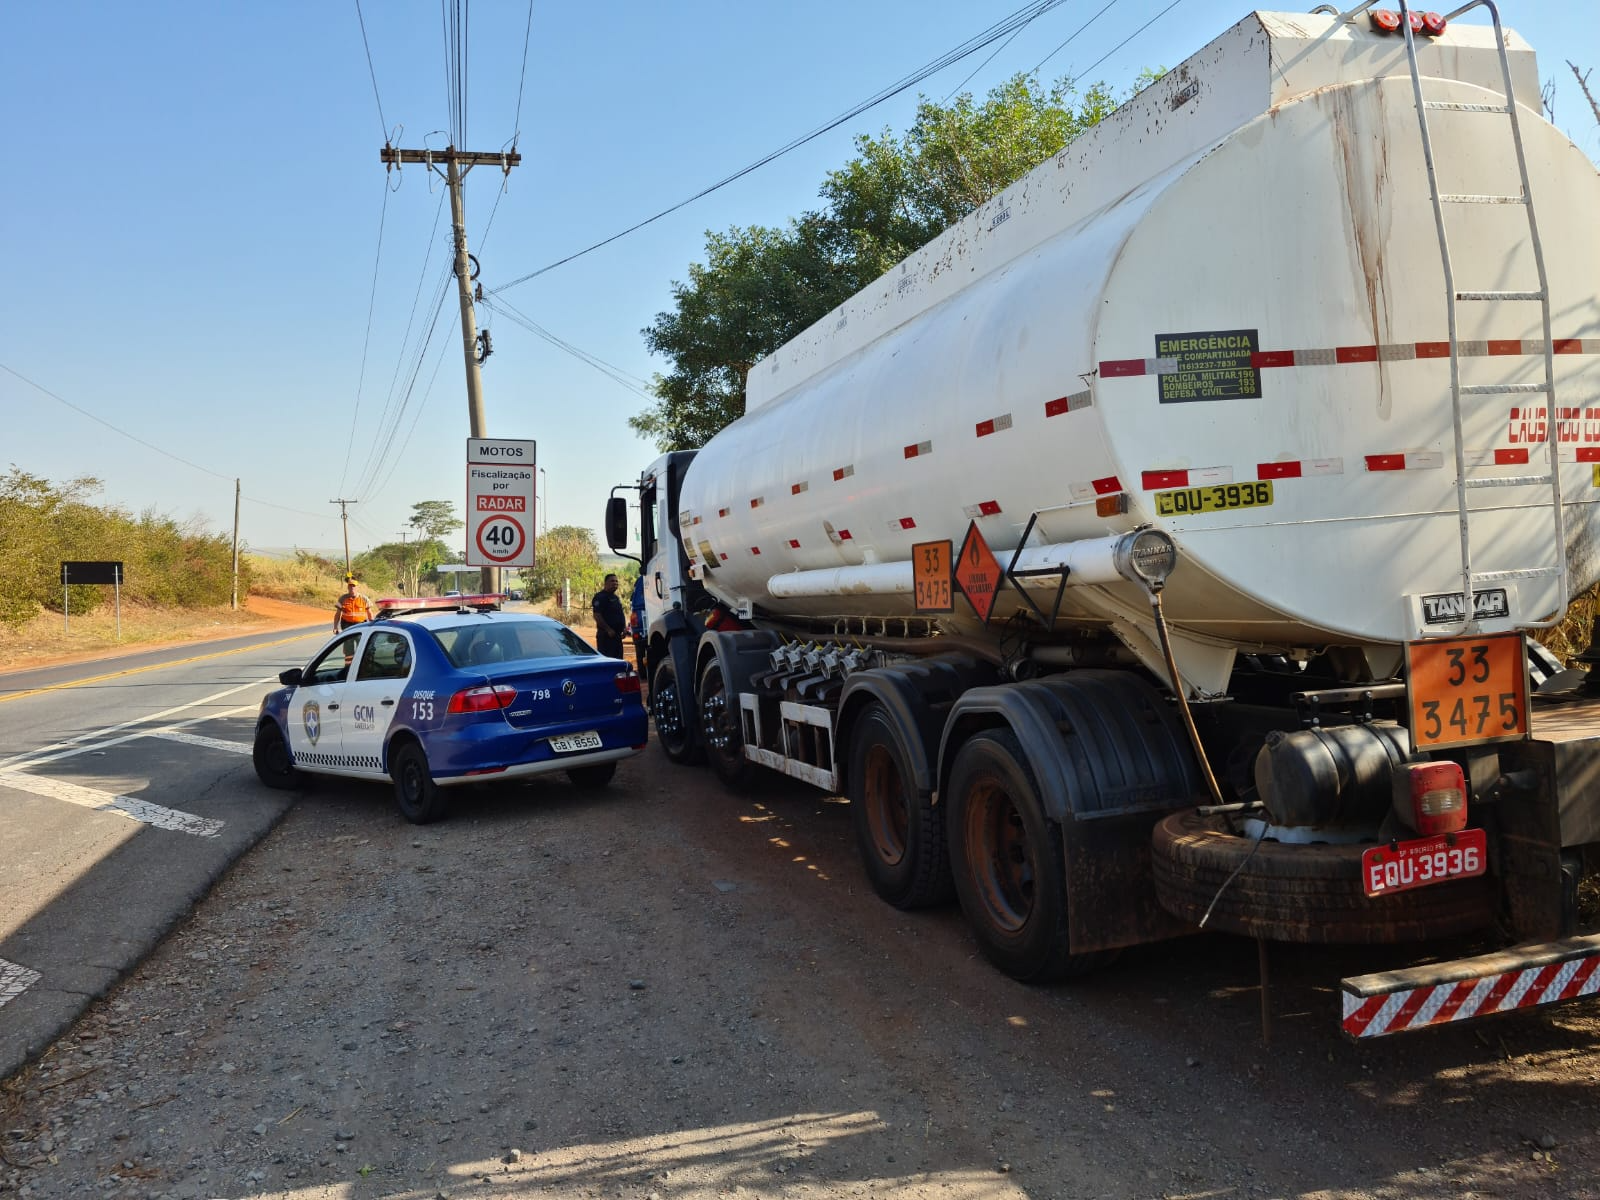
(47, 639)
(302, 580)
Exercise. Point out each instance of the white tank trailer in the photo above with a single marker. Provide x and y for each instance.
(1113, 552)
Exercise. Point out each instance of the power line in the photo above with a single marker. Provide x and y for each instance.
(616, 374)
(148, 445)
(385, 446)
(1073, 37)
(114, 429)
(1000, 29)
(400, 359)
(516, 124)
(370, 70)
(366, 340)
(1132, 35)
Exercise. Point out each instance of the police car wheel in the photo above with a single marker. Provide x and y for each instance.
(415, 794)
(270, 756)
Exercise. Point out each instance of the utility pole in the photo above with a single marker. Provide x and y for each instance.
(344, 518)
(456, 165)
(235, 602)
(405, 557)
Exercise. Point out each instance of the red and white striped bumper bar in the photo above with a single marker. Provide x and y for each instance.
(1523, 977)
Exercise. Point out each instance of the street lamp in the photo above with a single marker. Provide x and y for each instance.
(544, 506)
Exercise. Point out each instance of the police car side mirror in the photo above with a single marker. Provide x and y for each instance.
(290, 678)
(617, 523)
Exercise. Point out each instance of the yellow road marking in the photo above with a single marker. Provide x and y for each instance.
(177, 662)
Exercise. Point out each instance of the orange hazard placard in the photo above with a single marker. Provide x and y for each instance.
(978, 573)
(930, 577)
(1466, 690)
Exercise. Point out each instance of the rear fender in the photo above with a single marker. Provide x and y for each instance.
(739, 652)
(1111, 760)
(917, 697)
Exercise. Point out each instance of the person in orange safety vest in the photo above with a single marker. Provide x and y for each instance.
(352, 608)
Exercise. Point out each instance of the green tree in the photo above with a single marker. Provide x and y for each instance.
(566, 553)
(435, 518)
(761, 286)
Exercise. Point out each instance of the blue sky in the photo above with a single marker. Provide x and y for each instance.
(192, 222)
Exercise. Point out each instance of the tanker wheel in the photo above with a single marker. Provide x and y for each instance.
(720, 726)
(672, 730)
(1299, 892)
(899, 833)
(1006, 856)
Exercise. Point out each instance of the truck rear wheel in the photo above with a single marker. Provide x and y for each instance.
(720, 727)
(900, 835)
(1008, 863)
(1299, 892)
(672, 729)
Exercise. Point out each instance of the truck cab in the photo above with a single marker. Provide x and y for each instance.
(674, 599)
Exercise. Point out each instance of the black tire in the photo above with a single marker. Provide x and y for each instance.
(1299, 893)
(721, 729)
(672, 731)
(592, 778)
(271, 759)
(1007, 860)
(899, 833)
(418, 798)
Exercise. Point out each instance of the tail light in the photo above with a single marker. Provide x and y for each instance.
(1385, 20)
(1433, 24)
(482, 699)
(627, 683)
(1431, 797)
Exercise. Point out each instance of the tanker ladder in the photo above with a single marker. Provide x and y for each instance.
(1467, 479)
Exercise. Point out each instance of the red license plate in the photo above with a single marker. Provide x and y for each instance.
(1401, 866)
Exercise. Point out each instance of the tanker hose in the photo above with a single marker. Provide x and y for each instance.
(1183, 699)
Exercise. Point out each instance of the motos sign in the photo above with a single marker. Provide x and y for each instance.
(500, 502)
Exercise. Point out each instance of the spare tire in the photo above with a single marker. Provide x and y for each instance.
(1297, 892)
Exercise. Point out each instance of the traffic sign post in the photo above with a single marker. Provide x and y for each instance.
(90, 572)
(500, 502)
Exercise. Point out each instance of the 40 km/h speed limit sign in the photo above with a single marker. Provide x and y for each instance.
(500, 502)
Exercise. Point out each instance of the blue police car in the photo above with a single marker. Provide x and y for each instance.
(434, 694)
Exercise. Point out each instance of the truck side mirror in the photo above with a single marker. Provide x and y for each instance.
(617, 523)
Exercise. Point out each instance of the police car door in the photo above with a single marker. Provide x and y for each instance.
(314, 709)
(372, 698)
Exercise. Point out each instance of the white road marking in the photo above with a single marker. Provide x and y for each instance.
(197, 739)
(82, 743)
(24, 761)
(128, 806)
(14, 980)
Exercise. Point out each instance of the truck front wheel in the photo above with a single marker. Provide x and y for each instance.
(1007, 859)
(666, 709)
(900, 835)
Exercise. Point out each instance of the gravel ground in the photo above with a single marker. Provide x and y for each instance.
(667, 990)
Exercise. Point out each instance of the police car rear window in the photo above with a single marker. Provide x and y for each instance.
(484, 643)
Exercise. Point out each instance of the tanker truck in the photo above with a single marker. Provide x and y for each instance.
(1161, 547)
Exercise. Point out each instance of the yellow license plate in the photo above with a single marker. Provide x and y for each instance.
(1218, 497)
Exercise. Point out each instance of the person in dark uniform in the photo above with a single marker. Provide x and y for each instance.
(608, 618)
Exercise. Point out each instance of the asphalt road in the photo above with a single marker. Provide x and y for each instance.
(126, 790)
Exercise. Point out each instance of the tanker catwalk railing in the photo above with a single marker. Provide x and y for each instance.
(1465, 480)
